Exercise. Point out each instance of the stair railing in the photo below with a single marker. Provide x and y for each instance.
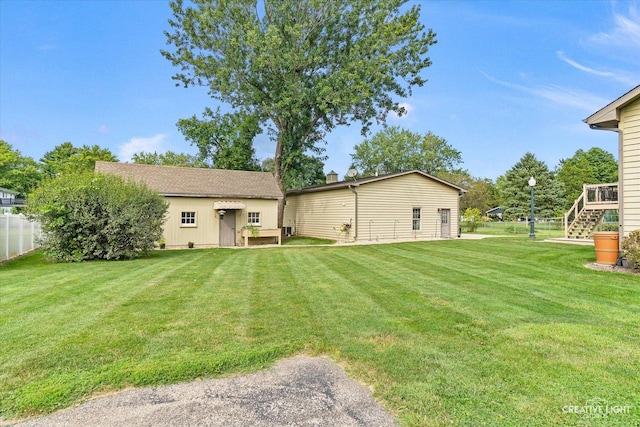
(574, 212)
(594, 196)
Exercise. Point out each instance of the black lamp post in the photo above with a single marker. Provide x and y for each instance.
(532, 220)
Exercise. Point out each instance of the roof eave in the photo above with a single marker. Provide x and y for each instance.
(608, 116)
(367, 180)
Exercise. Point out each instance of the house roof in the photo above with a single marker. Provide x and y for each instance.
(368, 180)
(197, 182)
(608, 116)
(6, 190)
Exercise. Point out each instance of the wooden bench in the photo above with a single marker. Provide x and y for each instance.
(268, 232)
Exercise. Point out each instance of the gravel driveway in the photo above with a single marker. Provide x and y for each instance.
(300, 391)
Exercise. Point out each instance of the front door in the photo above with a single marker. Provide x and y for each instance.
(228, 229)
(445, 223)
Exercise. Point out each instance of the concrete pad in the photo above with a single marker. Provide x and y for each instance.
(300, 391)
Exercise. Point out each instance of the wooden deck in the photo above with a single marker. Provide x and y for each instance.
(588, 211)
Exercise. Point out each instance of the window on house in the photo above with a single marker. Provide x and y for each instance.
(416, 219)
(188, 218)
(253, 218)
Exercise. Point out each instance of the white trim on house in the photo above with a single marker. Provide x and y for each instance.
(608, 116)
(229, 205)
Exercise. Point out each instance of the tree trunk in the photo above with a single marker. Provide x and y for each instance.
(279, 175)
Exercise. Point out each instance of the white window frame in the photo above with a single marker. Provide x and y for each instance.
(184, 219)
(416, 221)
(258, 223)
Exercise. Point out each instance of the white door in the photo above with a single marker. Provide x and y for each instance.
(445, 223)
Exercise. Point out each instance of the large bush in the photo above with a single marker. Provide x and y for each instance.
(631, 248)
(89, 216)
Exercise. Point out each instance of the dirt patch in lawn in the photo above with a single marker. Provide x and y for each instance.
(612, 268)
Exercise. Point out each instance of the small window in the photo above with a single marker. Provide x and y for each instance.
(188, 219)
(416, 219)
(253, 218)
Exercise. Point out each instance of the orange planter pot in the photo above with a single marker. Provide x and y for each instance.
(607, 249)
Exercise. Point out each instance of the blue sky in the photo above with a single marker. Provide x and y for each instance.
(507, 77)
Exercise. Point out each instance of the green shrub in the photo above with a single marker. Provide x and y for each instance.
(471, 219)
(631, 248)
(87, 216)
(608, 226)
(516, 229)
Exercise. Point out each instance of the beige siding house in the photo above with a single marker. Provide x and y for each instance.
(623, 116)
(208, 207)
(397, 206)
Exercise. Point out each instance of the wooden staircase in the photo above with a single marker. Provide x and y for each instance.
(588, 211)
(586, 223)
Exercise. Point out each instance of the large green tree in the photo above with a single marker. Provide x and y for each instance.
(397, 150)
(482, 193)
(224, 140)
(17, 172)
(307, 170)
(66, 158)
(516, 194)
(595, 166)
(301, 68)
(169, 159)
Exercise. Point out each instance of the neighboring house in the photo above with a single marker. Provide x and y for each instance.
(8, 200)
(495, 213)
(208, 207)
(401, 205)
(623, 116)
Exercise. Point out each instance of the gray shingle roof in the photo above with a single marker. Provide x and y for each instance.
(197, 182)
(367, 180)
(6, 190)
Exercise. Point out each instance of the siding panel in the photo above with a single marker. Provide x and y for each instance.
(320, 214)
(630, 125)
(384, 210)
(205, 233)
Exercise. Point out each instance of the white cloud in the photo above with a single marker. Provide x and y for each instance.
(562, 96)
(620, 76)
(626, 30)
(580, 67)
(136, 145)
(104, 130)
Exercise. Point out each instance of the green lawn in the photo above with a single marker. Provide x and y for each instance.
(513, 228)
(301, 240)
(464, 333)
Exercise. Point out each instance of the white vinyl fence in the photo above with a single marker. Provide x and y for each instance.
(18, 235)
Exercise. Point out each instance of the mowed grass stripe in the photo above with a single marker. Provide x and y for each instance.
(500, 332)
(81, 302)
(441, 282)
(338, 305)
(562, 284)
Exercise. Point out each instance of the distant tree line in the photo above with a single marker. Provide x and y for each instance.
(390, 150)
